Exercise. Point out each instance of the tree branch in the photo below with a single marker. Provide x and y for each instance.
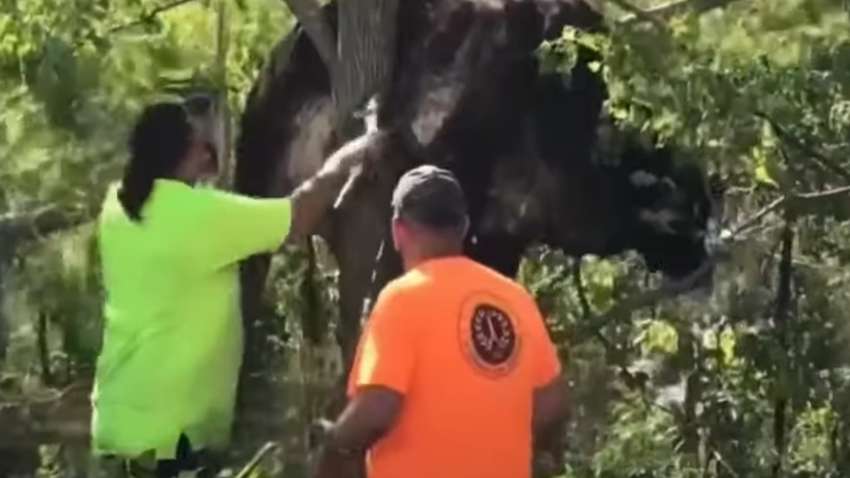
(582, 295)
(148, 16)
(752, 220)
(311, 17)
(255, 461)
(800, 144)
(638, 14)
(46, 220)
(794, 200)
(672, 9)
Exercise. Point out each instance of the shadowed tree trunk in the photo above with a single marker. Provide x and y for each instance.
(781, 318)
(4, 326)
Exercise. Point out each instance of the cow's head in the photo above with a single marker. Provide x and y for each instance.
(671, 207)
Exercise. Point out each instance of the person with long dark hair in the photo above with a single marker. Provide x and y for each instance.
(166, 377)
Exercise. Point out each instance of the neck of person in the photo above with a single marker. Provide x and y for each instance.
(414, 258)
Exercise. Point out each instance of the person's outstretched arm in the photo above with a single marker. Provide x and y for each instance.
(312, 200)
(231, 227)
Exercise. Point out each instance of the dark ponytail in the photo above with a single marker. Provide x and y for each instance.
(160, 139)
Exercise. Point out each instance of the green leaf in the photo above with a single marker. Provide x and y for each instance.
(659, 336)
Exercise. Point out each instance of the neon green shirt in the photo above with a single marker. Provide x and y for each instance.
(172, 342)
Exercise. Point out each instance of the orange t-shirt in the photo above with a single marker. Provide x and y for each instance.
(466, 347)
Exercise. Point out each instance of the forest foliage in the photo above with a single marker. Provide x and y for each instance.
(753, 381)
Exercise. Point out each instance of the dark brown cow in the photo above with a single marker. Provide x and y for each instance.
(467, 94)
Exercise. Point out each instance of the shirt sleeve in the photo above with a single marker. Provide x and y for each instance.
(386, 353)
(546, 361)
(233, 227)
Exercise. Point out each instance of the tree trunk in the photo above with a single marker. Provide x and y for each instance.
(4, 325)
(361, 58)
(225, 180)
(690, 426)
(44, 349)
(781, 318)
(366, 45)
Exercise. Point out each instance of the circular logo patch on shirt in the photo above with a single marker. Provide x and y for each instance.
(490, 337)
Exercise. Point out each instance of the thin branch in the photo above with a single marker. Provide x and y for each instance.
(255, 461)
(311, 17)
(669, 10)
(642, 15)
(824, 194)
(45, 220)
(800, 144)
(672, 9)
(795, 200)
(582, 296)
(749, 222)
(148, 16)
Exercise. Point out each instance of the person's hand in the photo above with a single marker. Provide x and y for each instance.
(328, 188)
(361, 153)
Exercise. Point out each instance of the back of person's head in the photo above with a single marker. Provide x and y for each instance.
(160, 139)
(429, 203)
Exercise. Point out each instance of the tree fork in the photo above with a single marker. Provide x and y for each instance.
(359, 57)
(366, 45)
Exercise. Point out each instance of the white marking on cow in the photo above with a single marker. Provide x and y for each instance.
(314, 125)
(356, 146)
(642, 179)
(370, 120)
(437, 104)
(659, 220)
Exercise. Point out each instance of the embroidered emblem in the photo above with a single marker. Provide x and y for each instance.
(490, 338)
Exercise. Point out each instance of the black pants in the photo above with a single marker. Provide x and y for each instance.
(185, 459)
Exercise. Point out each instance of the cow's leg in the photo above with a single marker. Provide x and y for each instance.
(361, 232)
